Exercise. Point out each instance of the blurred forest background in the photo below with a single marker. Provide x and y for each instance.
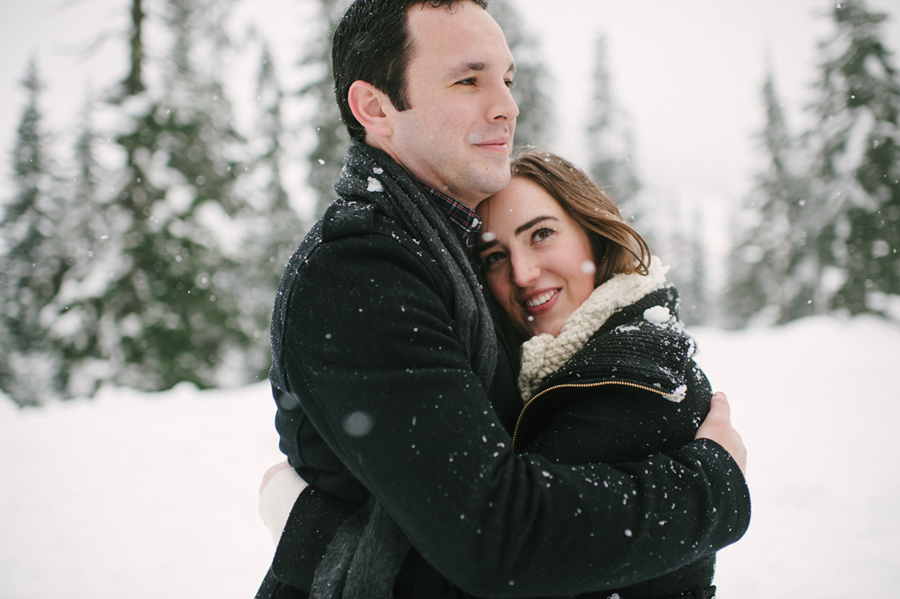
(147, 252)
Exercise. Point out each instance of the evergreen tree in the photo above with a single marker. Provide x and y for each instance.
(695, 305)
(855, 216)
(75, 313)
(274, 227)
(31, 266)
(282, 223)
(765, 269)
(134, 83)
(171, 307)
(332, 140)
(682, 247)
(534, 126)
(610, 140)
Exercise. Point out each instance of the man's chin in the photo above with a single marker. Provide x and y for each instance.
(476, 185)
(494, 175)
(500, 182)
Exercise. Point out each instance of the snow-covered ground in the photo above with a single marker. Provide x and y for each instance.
(154, 496)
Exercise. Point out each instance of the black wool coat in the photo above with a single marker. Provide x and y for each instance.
(377, 396)
(633, 390)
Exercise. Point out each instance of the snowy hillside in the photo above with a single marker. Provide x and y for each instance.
(154, 496)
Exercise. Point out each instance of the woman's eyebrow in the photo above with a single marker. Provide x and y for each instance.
(485, 246)
(519, 230)
(533, 222)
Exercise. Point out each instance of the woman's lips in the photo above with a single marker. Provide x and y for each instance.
(540, 302)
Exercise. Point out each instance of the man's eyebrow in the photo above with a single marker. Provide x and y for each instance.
(471, 67)
(466, 68)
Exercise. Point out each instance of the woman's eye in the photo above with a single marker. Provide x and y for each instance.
(542, 234)
(469, 81)
(492, 258)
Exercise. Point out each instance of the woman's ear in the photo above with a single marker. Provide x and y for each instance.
(371, 107)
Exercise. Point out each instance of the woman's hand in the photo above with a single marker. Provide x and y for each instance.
(271, 472)
(281, 486)
(717, 427)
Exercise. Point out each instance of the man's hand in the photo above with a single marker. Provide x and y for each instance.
(717, 427)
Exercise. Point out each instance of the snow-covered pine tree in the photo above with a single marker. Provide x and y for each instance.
(612, 165)
(534, 125)
(171, 307)
(274, 228)
(134, 82)
(332, 140)
(681, 245)
(856, 144)
(695, 305)
(767, 277)
(75, 314)
(284, 227)
(31, 263)
(610, 140)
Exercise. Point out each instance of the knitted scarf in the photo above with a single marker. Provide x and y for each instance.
(365, 556)
(544, 354)
(374, 177)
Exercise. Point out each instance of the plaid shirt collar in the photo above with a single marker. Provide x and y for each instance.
(463, 218)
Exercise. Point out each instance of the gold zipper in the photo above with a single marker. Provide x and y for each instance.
(583, 386)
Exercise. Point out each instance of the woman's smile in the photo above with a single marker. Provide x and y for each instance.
(540, 303)
(534, 254)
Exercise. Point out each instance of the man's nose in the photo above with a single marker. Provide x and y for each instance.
(504, 106)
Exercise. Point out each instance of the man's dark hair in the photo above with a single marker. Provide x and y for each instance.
(372, 44)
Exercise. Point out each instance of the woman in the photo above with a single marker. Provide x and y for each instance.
(593, 311)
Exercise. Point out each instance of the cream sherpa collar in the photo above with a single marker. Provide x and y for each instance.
(543, 354)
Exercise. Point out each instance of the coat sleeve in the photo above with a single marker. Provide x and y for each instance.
(370, 354)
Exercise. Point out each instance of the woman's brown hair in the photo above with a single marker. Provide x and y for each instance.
(618, 249)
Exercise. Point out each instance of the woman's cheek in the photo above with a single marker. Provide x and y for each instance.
(500, 291)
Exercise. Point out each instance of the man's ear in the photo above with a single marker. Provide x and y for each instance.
(371, 107)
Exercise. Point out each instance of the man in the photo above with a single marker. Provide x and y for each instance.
(396, 386)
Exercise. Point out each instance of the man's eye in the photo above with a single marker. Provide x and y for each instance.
(510, 84)
(469, 81)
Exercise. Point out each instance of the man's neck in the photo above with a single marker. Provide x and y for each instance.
(463, 218)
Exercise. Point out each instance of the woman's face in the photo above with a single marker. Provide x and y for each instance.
(537, 260)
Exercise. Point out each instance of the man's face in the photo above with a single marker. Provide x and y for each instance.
(458, 132)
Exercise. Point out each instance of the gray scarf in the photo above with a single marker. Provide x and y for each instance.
(368, 550)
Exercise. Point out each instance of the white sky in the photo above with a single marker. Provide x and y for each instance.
(688, 73)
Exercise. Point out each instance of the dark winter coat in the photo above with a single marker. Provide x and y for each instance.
(377, 396)
(632, 391)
